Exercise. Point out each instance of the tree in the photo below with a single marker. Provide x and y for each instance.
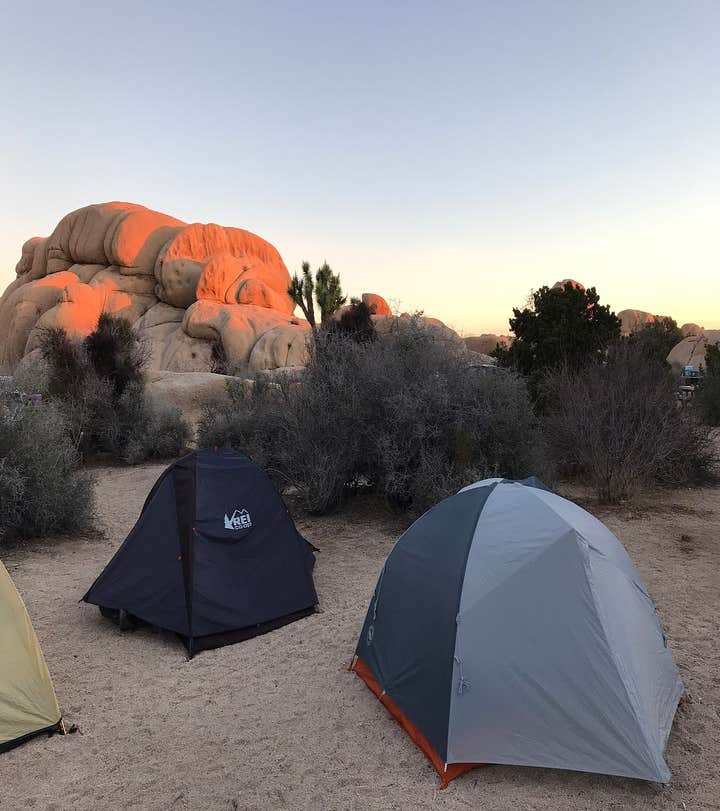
(301, 292)
(561, 325)
(327, 290)
(657, 338)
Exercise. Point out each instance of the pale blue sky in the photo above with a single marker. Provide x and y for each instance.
(448, 155)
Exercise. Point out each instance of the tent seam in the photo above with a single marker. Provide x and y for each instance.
(493, 487)
(624, 678)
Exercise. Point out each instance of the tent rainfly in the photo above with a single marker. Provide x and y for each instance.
(28, 705)
(509, 626)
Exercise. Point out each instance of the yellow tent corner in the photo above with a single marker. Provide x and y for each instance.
(28, 704)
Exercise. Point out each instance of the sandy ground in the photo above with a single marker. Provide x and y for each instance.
(277, 722)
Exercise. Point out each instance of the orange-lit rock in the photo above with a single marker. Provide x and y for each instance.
(376, 304)
(181, 286)
(561, 284)
(22, 306)
(222, 264)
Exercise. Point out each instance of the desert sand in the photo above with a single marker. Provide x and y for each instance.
(278, 722)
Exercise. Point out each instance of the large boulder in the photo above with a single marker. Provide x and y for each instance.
(691, 350)
(389, 324)
(636, 320)
(376, 304)
(563, 282)
(690, 329)
(190, 392)
(182, 286)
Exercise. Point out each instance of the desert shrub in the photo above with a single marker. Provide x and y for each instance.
(116, 353)
(707, 396)
(167, 435)
(618, 425)
(67, 367)
(12, 488)
(356, 322)
(98, 385)
(404, 415)
(32, 376)
(248, 420)
(42, 486)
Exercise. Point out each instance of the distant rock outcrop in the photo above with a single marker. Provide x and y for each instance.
(636, 320)
(691, 350)
(182, 286)
(563, 282)
(486, 343)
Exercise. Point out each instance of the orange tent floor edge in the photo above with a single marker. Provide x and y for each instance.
(447, 772)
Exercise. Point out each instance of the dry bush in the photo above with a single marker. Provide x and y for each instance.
(405, 415)
(42, 487)
(707, 394)
(356, 322)
(618, 425)
(98, 384)
(166, 435)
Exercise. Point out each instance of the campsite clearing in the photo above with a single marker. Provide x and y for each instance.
(277, 721)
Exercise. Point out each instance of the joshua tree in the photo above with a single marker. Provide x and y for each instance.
(301, 292)
(326, 287)
(328, 292)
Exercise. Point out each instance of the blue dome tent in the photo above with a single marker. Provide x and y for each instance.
(214, 556)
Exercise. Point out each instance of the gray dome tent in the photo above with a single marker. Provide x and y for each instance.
(509, 625)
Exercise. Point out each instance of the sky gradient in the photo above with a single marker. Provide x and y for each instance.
(450, 157)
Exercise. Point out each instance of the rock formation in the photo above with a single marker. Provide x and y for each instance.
(376, 304)
(561, 284)
(691, 350)
(690, 329)
(486, 343)
(182, 286)
(636, 320)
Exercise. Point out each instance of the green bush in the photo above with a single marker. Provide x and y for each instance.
(43, 489)
(560, 326)
(404, 415)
